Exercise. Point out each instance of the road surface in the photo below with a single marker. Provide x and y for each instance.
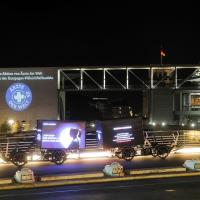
(165, 189)
(42, 168)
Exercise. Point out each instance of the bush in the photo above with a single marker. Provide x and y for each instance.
(5, 127)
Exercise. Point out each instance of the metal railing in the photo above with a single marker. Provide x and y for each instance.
(23, 143)
(171, 138)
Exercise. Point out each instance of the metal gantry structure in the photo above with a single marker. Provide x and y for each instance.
(128, 78)
(183, 80)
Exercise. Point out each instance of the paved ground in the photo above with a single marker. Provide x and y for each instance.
(165, 189)
(88, 165)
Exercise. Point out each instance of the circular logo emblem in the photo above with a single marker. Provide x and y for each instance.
(18, 96)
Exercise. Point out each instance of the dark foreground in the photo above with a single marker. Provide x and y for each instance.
(165, 189)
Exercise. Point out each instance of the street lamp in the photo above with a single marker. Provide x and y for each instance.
(11, 122)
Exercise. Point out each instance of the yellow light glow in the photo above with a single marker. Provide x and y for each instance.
(95, 154)
(36, 157)
(28, 157)
(11, 122)
(73, 156)
(89, 155)
(189, 150)
(2, 161)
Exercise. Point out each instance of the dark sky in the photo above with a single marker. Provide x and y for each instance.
(65, 35)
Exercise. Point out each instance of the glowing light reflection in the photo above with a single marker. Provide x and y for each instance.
(89, 155)
(36, 157)
(2, 161)
(65, 138)
(95, 154)
(122, 128)
(189, 150)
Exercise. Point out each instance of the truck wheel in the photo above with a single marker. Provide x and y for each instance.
(58, 157)
(154, 152)
(118, 154)
(18, 158)
(128, 154)
(162, 151)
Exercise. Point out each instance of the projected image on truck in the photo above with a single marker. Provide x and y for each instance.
(67, 135)
(122, 134)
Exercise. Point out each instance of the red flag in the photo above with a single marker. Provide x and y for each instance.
(162, 53)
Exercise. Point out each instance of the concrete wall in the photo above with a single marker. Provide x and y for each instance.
(161, 106)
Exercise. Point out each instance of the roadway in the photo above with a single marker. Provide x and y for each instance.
(42, 168)
(165, 189)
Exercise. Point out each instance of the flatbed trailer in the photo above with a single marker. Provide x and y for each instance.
(157, 146)
(20, 148)
(127, 138)
(16, 148)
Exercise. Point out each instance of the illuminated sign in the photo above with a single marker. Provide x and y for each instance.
(67, 135)
(123, 134)
(122, 128)
(18, 96)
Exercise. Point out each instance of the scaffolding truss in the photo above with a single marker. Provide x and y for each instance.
(129, 78)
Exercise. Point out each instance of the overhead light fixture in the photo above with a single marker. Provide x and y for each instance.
(193, 124)
(153, 123)
(163, 124)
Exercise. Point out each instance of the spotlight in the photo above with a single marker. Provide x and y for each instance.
(193, 125)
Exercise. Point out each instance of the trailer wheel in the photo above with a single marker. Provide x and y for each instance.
(154, 152)
(128, 154)
(162, 151)
(58, 157)
(18, 158)
(118, 154)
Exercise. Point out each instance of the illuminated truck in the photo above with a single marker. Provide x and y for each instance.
(127, 138)
(56, 140)
(52, 141)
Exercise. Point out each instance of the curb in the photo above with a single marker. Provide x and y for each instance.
(5, 181)
(101, 174)
(98, 177)
(75, 176)
(156, 171)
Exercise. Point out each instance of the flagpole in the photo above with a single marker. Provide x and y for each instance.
(161, 47)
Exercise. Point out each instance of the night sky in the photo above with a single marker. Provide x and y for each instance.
(66, 35)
